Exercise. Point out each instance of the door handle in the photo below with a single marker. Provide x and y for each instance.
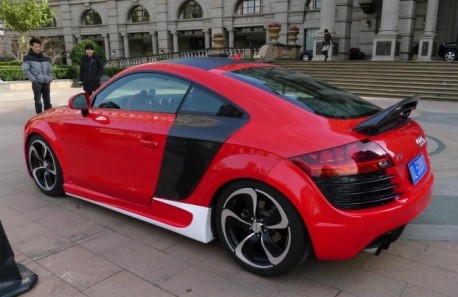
(149, 143)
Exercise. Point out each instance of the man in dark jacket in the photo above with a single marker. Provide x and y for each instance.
(37, 68)
(91, 70)
(327, 44)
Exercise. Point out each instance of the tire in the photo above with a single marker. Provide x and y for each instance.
(450, 55)
(268, 237)
(44, 167)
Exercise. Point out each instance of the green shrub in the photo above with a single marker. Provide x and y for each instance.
(64, 72)
(10, 63)
(78, 50)
(112, 71)
(12, 73)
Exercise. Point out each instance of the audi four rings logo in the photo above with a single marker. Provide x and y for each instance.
(420, 140)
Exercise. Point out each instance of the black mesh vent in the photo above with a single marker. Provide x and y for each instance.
(358, 191)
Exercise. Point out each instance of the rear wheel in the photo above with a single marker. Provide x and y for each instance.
(45, 167)
(261, 229)
(450, 55)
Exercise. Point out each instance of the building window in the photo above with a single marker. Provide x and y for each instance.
(190, 10)
(249, 7)
(313, 4)
(138, 14)
(91, 17)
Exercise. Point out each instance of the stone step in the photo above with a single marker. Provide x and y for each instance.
(400, 92)
(429, 80)
(385, 81)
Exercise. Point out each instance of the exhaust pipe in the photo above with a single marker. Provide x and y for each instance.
(384, 241)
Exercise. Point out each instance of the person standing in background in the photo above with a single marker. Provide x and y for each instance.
(37, 68)
(91, 70)
(327, 44)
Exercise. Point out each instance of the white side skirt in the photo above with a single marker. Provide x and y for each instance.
(199, 229)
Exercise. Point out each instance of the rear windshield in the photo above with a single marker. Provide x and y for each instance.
(306, 92)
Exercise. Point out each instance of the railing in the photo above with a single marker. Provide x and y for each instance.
(229, 51)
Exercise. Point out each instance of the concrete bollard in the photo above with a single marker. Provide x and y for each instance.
(15, 279)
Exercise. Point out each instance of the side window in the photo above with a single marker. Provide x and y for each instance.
(201, 101)
(143, 92)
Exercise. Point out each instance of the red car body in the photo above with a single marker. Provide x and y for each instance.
(126, 160)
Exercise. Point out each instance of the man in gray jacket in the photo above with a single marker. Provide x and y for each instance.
(37, 68)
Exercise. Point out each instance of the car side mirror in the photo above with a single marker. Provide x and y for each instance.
(80, 101)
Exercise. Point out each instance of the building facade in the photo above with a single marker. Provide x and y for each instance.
(382, 29)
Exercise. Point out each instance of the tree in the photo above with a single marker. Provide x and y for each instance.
(24, 15)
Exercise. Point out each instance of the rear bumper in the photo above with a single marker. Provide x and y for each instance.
(357, 230)
(338, 234)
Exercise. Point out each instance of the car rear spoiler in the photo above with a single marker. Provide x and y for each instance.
(388, 118)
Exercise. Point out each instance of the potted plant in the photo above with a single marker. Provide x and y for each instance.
(274, 30)
(218, 40)
(293, 31)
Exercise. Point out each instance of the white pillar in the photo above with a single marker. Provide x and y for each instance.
(328, 15)
(327, 21)
(231, 36)
(175, 41)
(431, 17)
(154, 42)
(426, 41)
(386, 43)
(390, 13)
(126, 46)
(207, 38)
(106, 42)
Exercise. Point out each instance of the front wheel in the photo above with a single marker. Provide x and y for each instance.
(261, 229)
(450, 56)
(45, 167)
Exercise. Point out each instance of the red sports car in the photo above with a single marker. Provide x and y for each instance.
(274, 163)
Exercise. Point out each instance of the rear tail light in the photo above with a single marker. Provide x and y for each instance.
(354, 158)
(351, 176)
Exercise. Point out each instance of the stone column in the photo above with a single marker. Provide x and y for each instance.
(426, 41)
(125, 38)
(386, 43)
(154, 42)
(327, 21)
(66, 28)
(207, 38)
(406, 27)
(342, 28)
(175, 41)
(115, 40)
(231, 36)
(163, 36)
(281, 16)
(106, 42)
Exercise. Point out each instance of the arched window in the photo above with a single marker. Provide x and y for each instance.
(248, 7)
(190, 10)
(138, 14)
(90, 18)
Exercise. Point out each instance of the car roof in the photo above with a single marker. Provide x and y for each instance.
(206, 63)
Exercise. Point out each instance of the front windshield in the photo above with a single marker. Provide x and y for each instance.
(306, 92)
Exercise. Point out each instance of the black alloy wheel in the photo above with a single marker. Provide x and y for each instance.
(261, 229)
(44, 166)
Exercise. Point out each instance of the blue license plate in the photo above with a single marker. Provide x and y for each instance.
(417, 168)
